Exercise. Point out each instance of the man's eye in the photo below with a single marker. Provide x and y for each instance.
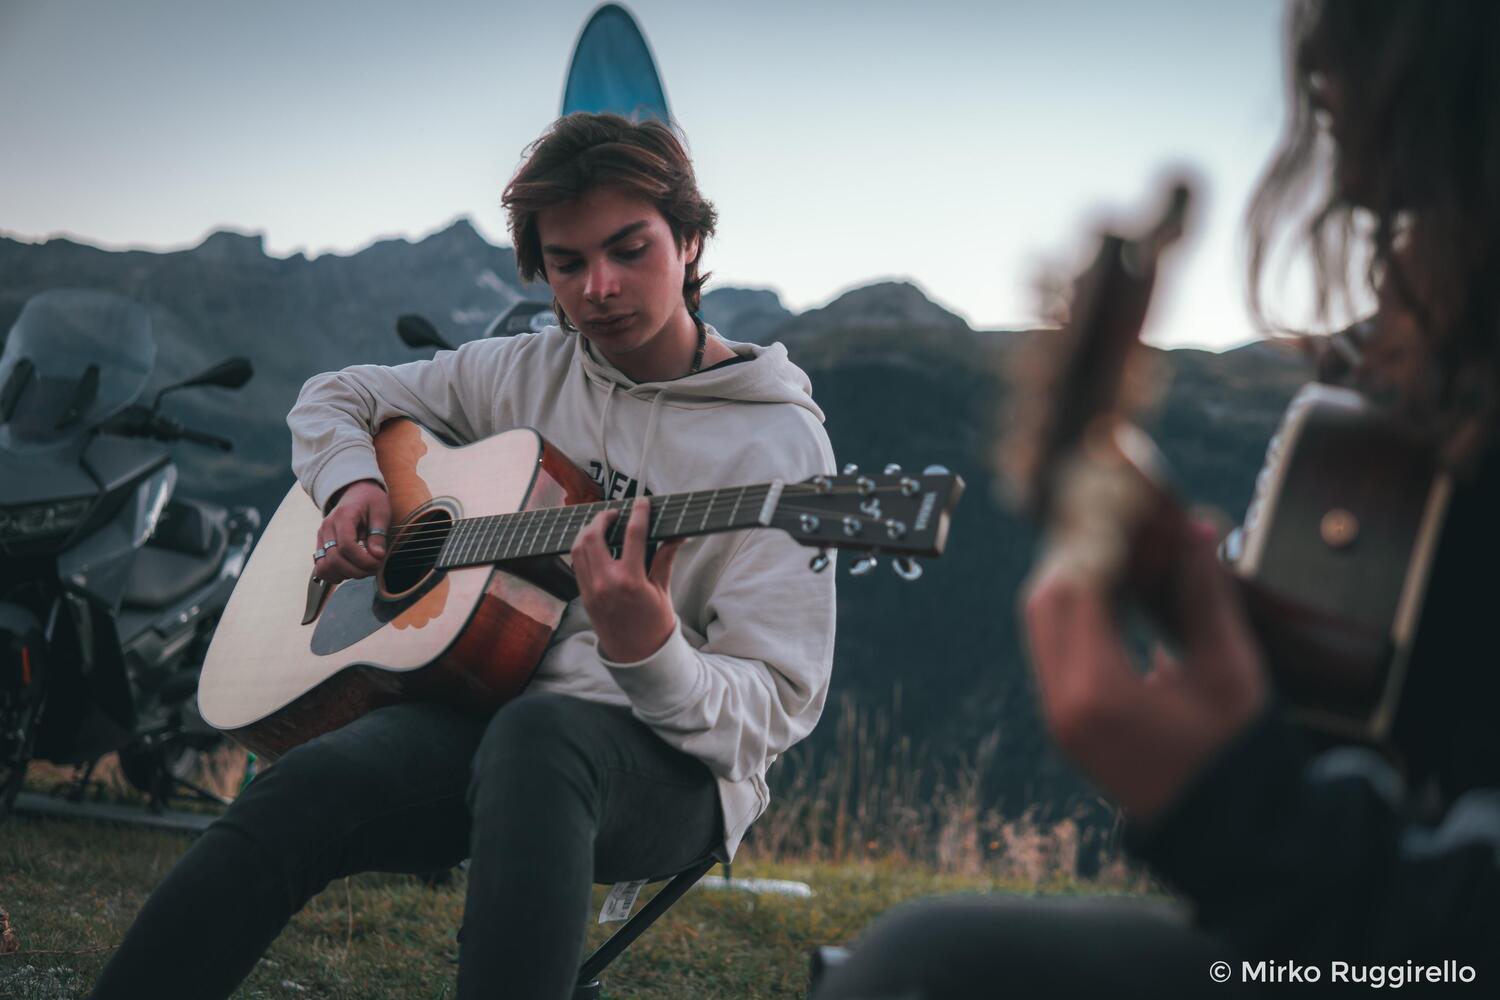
(631, 253)
(567, 268)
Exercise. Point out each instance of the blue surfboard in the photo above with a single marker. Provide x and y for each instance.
(612, 69)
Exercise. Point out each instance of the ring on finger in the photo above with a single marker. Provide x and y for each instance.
(374, 531)
(331, 543)
(319, 555)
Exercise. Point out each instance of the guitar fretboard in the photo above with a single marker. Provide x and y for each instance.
(551, 531)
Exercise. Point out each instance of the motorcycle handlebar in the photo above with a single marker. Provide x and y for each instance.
(144, 423)
(212, 440)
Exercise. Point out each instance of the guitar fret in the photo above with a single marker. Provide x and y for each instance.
(460, 538)
(549, 519)
(653, 523)
(517, 532)
(565, 535)
(487, 538)
(532, 524)
(476, 541)
(708, 510)
(503, 525)
(513, 523)
(577, 518)
(736, 508)
(678, 528)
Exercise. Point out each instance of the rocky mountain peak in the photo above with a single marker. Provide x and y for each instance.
(229, 247)
(885, 305)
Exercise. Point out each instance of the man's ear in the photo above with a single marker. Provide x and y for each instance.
(690, 248)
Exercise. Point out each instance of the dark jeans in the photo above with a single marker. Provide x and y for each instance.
(965, 947)
(552, 795)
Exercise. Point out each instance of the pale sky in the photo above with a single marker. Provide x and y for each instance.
(956, 143)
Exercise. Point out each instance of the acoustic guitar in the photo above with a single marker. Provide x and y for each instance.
(1336, 549)
(474, 581)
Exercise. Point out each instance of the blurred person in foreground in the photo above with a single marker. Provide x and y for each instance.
(1289, 855)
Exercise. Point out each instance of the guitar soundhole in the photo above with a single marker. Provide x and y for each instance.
(414, 552)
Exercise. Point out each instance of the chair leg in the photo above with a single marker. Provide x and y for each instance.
(588, 975)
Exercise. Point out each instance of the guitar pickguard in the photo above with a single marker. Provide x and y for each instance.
(355, 610)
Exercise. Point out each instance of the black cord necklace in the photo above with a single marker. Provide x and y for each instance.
(702, 343)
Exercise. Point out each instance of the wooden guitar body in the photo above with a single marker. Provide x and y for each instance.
(469, 636)
(1335, 556)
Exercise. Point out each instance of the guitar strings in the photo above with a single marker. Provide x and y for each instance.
(409, 555)
(695, 506)
(419, 540)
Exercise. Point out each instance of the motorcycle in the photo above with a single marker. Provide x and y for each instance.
(110, 586)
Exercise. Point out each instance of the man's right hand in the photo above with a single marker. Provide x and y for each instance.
(357, 526)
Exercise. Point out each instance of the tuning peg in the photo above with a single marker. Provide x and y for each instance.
(909, 486)
(850, 469)
(819, 561)
(809, 523)
(865, 485)
(893, 469)
(864, 565)
(907, 568)
(935, 470)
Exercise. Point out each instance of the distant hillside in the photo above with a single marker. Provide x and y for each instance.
(902, 380)
(747, 314)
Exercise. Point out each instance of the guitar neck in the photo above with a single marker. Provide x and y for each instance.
(552, 530)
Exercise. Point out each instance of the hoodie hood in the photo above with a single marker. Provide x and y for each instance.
(767, 377)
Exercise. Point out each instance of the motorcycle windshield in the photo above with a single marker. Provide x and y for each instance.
(72, 360)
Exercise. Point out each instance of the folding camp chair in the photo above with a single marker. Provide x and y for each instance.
(588, 974)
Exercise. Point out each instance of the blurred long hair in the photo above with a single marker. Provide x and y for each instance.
(1388, 177)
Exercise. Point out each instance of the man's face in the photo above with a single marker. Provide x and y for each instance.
(615, 269)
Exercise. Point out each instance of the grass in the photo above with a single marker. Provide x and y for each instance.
(72, 888)
(861, 825)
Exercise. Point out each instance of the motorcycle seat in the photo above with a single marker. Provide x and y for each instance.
(166, 573)
(192, 527)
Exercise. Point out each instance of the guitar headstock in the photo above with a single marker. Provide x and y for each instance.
(896, 513)
(1075, 384)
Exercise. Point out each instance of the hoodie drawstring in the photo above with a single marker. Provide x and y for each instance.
(609, 399)
(640, 476)
(651, 425)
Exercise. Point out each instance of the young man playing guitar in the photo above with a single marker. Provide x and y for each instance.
(641, 744)
(1301, 864)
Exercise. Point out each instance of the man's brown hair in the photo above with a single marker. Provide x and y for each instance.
(585, 151)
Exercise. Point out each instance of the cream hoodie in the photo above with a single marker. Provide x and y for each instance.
(746, 674)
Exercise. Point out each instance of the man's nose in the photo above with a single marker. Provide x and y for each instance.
(602, 282)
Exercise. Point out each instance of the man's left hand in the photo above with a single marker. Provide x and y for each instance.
(630, 608)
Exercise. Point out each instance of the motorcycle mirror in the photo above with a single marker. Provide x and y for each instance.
(230, 374)
(417, 331)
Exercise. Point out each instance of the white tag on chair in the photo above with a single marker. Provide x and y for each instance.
(620, 901)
